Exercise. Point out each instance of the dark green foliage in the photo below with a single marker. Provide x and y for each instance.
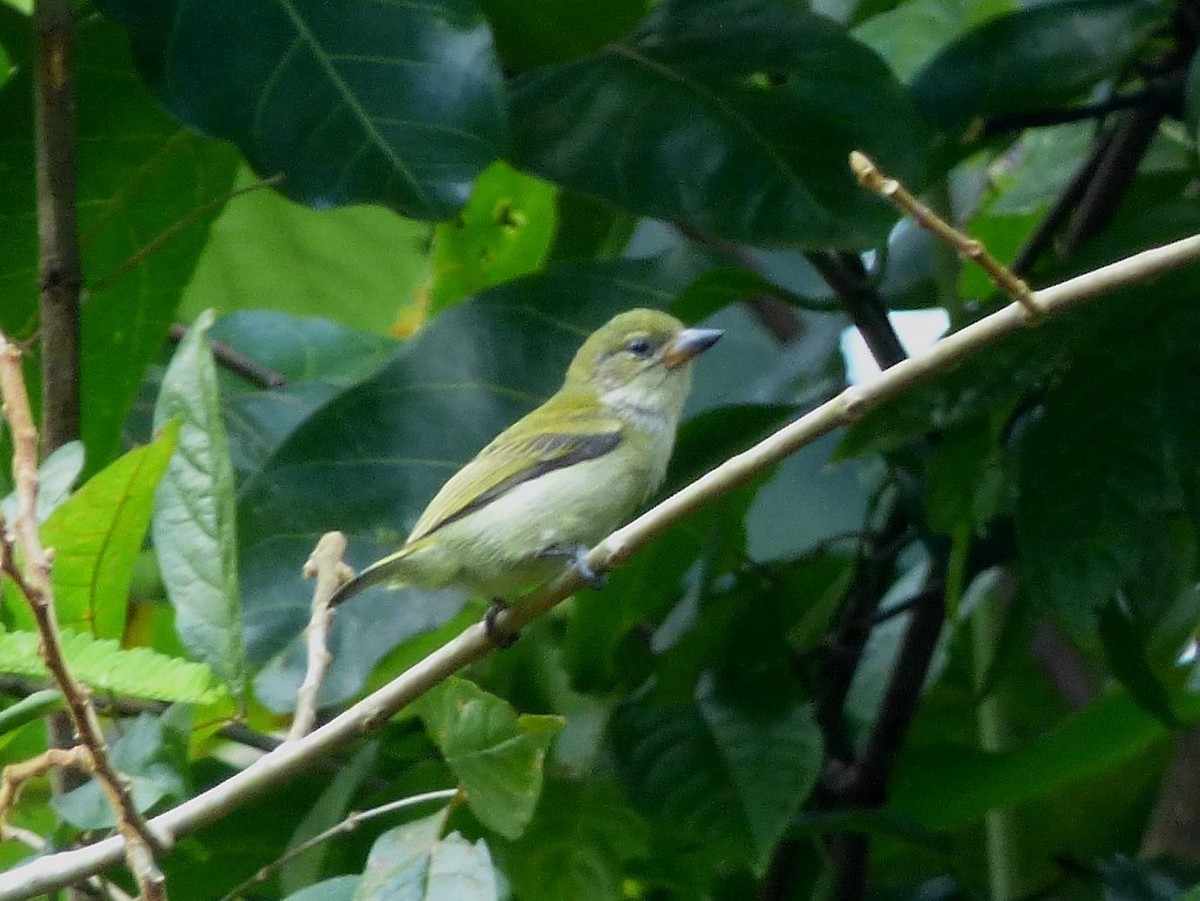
(776, 671)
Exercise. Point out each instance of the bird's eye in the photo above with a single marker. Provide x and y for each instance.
(639, 347)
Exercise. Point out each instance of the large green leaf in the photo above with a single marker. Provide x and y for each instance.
(908, 35)
(391, 103)
(414, 862)
(535, 32)
(96, 535)
(145, 186)
(1106, 466)
(496, 754)
(578, 845)
(733, 116)
(331, 808)
(947, 787)
(317, 358)
(368, 462)
(360, 265)
(503, 232)
(731, 775)
(194, 523)
(1034, 58)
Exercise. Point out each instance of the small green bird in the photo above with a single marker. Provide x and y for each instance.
(561, 478)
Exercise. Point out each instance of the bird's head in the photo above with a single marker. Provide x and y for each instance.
(640, 362)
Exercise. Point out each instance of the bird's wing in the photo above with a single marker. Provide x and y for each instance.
(553, 436)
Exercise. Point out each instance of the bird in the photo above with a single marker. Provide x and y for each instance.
(559, 479)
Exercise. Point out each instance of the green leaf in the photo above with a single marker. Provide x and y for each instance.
(414, 862)
(339, 888)
(56, 475)
(578, 845)
(398, 104)
(1125, 646)
(369, 461)
(963, 475)
(911, 33)
(718, 288)
(357, 264)
(731, 775)
(1191, 97)
(6, 69)
(142, 179)
(1035, 58)
(318, 358)
(536, 32)
(194, 519)
(105, 666)
(1102, 469)
(97, 535)
(502, 233)
(706, 98)
(152, 752)
(947, 787)
(329, 810)
(496, 754)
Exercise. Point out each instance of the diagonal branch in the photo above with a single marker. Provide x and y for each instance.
(56, 870)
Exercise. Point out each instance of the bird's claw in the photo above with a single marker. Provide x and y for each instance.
(591, 578)
(505, 640)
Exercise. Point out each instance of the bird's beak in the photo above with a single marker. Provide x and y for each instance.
(689, 343)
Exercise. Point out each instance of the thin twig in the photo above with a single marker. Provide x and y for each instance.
(174, 229)
(33, 580)
(1041, 118)
(234, 360)
(15, 775)
(870, 176)
(349, 824)
(326, 566)
(1064, 206)
(54, 871)
(1114, 173)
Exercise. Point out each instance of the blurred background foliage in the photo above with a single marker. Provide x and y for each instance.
(956, 633)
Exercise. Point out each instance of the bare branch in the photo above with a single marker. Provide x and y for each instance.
(870, 176)
(15, 775)
(326, 566)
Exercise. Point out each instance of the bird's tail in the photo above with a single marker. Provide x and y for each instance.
(385, 570)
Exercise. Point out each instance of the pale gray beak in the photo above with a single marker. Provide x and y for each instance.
(689, 343)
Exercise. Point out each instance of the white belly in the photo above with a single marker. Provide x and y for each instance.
(562, 509)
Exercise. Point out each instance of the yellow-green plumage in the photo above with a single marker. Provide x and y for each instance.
(561, 477)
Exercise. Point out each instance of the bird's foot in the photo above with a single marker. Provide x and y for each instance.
(506, 640)
(578, 556)
(591, 578)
